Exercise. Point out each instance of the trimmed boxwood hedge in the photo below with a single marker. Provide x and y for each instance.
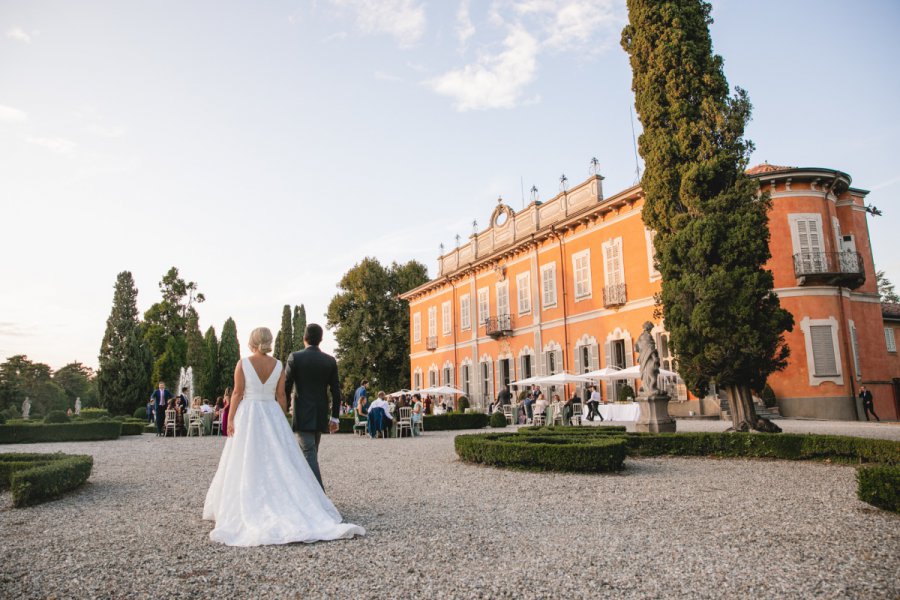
(879, 486)
(90, 414)
(35, 478)
(346, 424)
(498, 419)
(61, 432)
(453, 421)
(585, 454)
(132, 427)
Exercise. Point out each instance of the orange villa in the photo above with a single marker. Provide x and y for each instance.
(565, 285)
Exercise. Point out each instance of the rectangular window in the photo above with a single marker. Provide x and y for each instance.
(417, 327)
(855, 342)
(824, 358)
(889, 338)
(548, 285)
(523, 292)
(484, 306)
(432, 321)
(466, 381)
(445, 318)
(503, 298)
(612, 257)
(809, 247)
(581, 268)
(465, 313)
(650, 236)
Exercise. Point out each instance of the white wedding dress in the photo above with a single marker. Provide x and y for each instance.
(264, 491)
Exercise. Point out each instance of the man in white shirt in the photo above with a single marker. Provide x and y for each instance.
(374, 423)
(205, 407)
(594, 404)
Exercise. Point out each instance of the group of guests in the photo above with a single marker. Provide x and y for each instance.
(381, 414)
(162, 401)
(535, 402)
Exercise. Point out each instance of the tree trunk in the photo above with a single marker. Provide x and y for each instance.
(743, 414)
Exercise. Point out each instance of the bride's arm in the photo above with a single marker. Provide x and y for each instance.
(280, 395)
(236, 396)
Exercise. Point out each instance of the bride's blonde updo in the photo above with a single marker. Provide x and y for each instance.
(261, 340)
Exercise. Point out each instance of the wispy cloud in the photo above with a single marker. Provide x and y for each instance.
(19, 35)
(494, 80)
(338, 35)
(8, 114)
(404, 20)
(55, 144)
(9, 329)
(885, 184)
(385, 76)
(105, 132)
(464, 27)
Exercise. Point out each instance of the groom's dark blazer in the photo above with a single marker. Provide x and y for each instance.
(310, 373)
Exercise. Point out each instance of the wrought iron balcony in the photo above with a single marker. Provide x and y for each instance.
(614, 295)
(830, 268)
(498, 326)
(431, 342)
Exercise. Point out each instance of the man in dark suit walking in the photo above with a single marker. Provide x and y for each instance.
(310, 374)
(160, 399)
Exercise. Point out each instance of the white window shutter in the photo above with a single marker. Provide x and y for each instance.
(607, 362)
(824, 360)
(595, 357)
(578, 368)
(629, 362)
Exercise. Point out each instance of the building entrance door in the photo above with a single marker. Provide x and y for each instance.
(504, 372)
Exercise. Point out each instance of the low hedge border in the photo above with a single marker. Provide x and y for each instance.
(132, 427)
(879, 486)
(454, 421)
(584, 454)
(62, 432)
(35, 478)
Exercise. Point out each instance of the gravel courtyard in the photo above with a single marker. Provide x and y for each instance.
(438, 528)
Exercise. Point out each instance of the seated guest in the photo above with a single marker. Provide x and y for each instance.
(181, 401)
(416, 417)
(217, 409)
(379, 416)
(197, 403)
(205, 408)
(540, 405)
(568, 410)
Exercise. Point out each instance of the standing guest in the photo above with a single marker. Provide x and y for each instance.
(361, 392)
(226, 403)
(529, 401)
(427, 403)
(217, 409)
(182, 400)
(416, 417)
(150, 412)
(594, 404)
(540, 405)
(568, 410)
(868, 402)
(160, 399)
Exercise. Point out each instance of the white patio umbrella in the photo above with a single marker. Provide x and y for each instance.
(562, 379)
(635, 373)
(445, 389)
(604, 373)
(399, 393)
(526, 381)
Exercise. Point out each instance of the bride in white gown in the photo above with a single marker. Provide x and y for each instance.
(264, 491)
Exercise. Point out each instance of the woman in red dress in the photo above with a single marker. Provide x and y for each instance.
(226, 405)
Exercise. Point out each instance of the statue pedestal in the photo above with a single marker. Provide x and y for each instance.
(654, 415)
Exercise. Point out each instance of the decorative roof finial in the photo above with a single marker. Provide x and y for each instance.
(595, 166)
(563, 182)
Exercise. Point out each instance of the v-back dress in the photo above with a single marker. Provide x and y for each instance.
(264, 491)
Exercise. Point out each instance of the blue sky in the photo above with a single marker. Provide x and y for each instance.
(264, 148)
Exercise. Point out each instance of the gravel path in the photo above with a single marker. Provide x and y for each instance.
(438, 528)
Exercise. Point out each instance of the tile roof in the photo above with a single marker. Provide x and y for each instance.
(890, 310)
(767, 168)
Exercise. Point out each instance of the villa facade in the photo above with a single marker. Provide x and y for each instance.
(565, 285)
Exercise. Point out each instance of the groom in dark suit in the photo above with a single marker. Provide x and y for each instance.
(310, 373)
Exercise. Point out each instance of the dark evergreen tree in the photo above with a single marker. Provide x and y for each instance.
(196, 353)
(229, 354)
(885, 288)
(711, 221)
(371, 324)
(285, 337)
(210, 387)
(122, 380)
(298, 326)
(20, 378)
(77, 381)
(168, 366)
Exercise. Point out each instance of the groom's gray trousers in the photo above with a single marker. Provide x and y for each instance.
(309, 444)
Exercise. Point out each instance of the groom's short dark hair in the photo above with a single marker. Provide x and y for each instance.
(313, 334)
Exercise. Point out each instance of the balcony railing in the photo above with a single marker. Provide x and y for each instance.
(614, 295)
(498, 326)
(431, 342)
(830, 268)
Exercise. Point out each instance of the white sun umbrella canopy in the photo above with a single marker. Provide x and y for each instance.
(399, 393)
(526, 381)
(562, 379)
(604, 373)
(441, 389)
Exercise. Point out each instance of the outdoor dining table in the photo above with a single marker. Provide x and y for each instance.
(616, 412)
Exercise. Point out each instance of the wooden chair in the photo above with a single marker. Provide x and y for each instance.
(195, 421)
(170, 423)
(217, 426)
(507, 412)
(405, 421)
(359, 427)
(538, 419)
(576, 413)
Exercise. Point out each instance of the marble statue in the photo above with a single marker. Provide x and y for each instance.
(77, 406)
(26, 407)
(648, 358)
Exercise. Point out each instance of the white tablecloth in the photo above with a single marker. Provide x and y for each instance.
(617, 412)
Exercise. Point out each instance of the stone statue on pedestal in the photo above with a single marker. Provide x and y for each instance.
(653, 402)
(26, 407)
(77, 406)
(648, 358)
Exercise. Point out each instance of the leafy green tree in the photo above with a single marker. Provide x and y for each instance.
(371, 324)
(886, 288)
(299, 328)
(124, 357)
(711, 222)
(229, 354)
(285, 336)
(168, 366)
(210, 387)
(21, 378)
(169, 318)
(77, 381)
(196, 353)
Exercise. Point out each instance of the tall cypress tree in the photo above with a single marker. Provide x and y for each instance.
(210, 387)
(196, 353)
(229, 354)
(285, 338)
(711, 222)
(299, 327)
(122, 379)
